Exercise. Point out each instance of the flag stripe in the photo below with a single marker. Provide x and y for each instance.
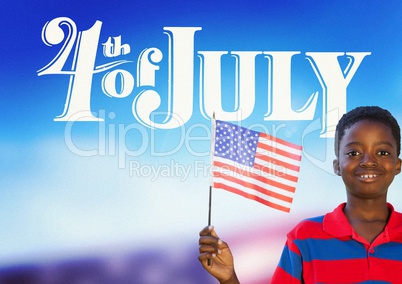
(253, 173)
(266, 168)
(279, 162)
(277, 151)
(283, 186)
(282, 170)
(280, 141)
(252, 187)
(252, 196)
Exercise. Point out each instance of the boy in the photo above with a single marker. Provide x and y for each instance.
(361, 240)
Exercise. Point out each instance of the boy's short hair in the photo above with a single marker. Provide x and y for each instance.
(373, 113)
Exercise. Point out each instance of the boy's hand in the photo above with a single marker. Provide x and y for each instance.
(221, 259)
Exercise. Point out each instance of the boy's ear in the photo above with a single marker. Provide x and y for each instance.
(398, 165)
(337, 170)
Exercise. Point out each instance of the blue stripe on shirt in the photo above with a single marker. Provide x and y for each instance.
(389, 251)
(291, 263)
(334, 249)
(330, 249)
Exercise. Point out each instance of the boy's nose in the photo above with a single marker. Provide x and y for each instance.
(368, 161)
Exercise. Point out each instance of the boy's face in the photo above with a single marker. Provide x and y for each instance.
(367, 159)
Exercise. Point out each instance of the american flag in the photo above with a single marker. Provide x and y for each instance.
(255, 165)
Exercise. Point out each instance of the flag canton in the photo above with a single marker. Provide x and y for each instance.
(236, 143)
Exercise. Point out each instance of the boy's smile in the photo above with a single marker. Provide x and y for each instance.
(367, 159)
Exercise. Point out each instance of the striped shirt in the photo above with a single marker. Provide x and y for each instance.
(326, 249)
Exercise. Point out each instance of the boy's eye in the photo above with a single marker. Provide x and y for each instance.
(383, 153)
(352, 153)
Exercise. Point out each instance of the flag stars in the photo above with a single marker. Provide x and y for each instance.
(236, 143)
